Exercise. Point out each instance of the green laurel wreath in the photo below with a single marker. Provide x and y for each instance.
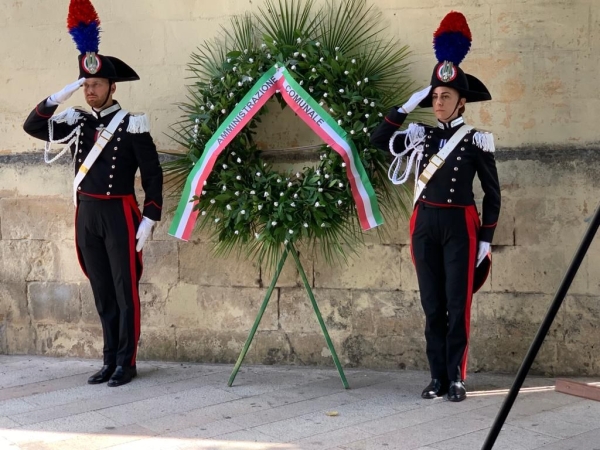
(339, 54)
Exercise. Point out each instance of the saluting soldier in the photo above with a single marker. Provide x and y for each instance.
(108, 145)
(450, 244)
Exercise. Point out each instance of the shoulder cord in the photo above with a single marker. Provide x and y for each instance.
(74, 139)
(413, 143)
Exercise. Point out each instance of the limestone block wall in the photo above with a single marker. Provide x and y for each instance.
(537, 58)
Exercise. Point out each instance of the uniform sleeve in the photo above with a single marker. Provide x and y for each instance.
(488, 176)
(36, 124)
(151, 173)
(380, 138)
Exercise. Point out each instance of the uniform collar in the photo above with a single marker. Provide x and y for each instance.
(107, 111)
(451, 125)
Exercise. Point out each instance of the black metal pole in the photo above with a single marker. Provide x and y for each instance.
(543, 331)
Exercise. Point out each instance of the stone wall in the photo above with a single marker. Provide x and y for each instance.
(536, 58)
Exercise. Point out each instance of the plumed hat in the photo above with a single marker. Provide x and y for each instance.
(452, 42)
(84, 27)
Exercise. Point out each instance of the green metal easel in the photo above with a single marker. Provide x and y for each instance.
(289, 249)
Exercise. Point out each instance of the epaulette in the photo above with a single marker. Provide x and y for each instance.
(138, 123)
(69, 116)
(484, 140)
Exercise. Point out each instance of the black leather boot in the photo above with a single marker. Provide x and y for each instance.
(437, 388)
(103, 375)
(122, 375)
(457, 391)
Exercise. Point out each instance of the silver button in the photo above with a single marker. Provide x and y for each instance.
(79, 188)
(118, 139)
(114, 157)
(426, 155)
(81, 142)
(108, 193)
(110, 185)
(456, 169)
(454, 180)
(451, 190)
(79, 160)
(449, 200)
(459, 158)
(116, 148)
(120, 129)
(110, 176)
(426, 145)
(428, 137)
(466, 140)
(424, 197)
(80, 151)
(462, 149)
(122, 121)
(114, 167)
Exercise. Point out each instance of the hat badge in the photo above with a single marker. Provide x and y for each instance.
(446, 72)
(91, 63)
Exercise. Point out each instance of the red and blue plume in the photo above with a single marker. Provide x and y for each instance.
(84, 25)
(452, 40)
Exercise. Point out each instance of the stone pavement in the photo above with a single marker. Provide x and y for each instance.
(46, 404)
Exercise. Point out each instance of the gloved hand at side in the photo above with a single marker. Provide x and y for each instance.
(143, 233)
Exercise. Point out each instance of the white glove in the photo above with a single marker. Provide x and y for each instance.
(64, 94)
(482, 251)
(143, 232)
(414, 100)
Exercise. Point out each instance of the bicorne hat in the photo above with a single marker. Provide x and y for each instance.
(452, 42)
(84, 26)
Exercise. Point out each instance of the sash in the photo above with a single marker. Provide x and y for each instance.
(104, 138)
(437, 161)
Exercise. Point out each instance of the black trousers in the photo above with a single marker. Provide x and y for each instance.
(105, 236)
(444, 248)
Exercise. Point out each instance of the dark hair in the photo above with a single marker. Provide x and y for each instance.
(461, 110)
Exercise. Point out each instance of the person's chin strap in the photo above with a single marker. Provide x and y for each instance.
(455, 108)
(110, 83)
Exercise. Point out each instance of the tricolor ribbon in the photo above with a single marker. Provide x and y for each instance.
(277, 78)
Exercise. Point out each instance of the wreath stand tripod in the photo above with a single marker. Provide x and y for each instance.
(541, 335)
(289, 249)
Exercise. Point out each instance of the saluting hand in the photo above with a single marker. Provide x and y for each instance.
(143, 233)
(482, 251)
(65, 93)
(414, 100)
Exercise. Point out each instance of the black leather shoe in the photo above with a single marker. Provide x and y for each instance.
(457, 391)
(122, 375)
(437, 388)
(103, 375)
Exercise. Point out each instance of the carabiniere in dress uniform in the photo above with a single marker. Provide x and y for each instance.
(108, 146)
(450, 243)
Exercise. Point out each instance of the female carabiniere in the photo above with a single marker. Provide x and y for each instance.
(450, 243)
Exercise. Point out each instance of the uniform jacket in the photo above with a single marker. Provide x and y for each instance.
(452, 184)
(113, 173)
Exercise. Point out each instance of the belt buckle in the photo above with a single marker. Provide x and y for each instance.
(436, 161)
(103, 134)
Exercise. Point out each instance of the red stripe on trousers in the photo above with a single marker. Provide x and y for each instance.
(133, 271)
(472, 222)
(413, 221)
(77, 251)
